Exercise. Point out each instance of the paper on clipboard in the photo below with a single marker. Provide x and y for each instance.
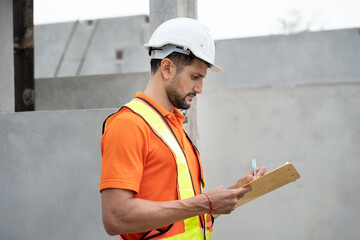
(269, 182)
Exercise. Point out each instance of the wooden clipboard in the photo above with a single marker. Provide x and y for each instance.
(269, 182)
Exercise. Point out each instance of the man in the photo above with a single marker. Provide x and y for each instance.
(152, 178)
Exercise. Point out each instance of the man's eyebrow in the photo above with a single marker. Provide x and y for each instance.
(199, 74)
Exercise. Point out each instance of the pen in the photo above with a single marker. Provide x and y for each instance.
(254, 166)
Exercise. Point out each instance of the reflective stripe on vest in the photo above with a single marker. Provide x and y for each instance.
(156, 122)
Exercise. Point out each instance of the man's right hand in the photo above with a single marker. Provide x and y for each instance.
(224, 200)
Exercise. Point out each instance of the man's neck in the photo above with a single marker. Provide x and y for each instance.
(156, 91)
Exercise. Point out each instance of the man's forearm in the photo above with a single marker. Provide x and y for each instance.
(122, 213)
(134, 215)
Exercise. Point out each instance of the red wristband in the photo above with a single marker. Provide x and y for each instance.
(211, 208)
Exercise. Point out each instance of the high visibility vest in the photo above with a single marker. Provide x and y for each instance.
(194, 226)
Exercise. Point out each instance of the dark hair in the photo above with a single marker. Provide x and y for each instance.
(180, 60)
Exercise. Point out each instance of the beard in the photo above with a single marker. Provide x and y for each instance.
(173, 92)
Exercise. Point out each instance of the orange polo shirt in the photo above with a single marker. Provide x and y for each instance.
(134, 158)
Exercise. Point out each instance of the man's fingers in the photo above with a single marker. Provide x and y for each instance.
(244, 180)
(240, 192)
(260, 171)
(246, 189)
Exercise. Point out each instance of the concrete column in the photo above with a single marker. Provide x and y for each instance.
(161, 11)
(7, 95)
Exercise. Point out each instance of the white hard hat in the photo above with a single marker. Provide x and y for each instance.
(183, 35)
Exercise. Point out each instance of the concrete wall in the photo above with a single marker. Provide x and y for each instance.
(7, 92)
(90, 47)
(287, 98)
(127, 34)
(50, 42)
(50, 174)
(78, 42)
(315, 127)
(302, 106)
(50, 164)
(304, 58)
(105, 91)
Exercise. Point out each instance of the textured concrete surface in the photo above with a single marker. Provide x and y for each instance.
(79, 42)
(304, 58)
(7, 99)
(50, 164)
(281, 98)
(314, 127)
(50, 41)
(90, 47)
(312, 57)
(163, 10)
(105, 91)
(112, 35)
(50, 174)
(301, 59)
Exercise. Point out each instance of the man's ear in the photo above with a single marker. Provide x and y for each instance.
(167, 68)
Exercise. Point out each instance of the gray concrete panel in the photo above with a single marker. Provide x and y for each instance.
(49, 44)
(115, 35)
(50, 164)
(304, 58)
(77, 48)
(84, 92)
(79, 39)
(99, 50)
(135, 59)
(68, 67)
(307, 58)
(309, 116)
(50, 174)
(282, 60)
(7, 91)
(316, 127)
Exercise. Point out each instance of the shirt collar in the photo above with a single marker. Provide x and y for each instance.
(175, 112)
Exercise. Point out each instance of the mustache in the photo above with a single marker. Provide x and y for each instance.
(191, 94)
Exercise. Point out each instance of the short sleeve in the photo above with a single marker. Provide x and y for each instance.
(124, 150)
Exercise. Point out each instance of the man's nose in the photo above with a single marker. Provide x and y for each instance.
(198, 87)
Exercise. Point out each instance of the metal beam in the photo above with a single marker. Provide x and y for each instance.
(23, 55)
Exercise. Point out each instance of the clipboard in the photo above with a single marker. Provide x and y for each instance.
(269, 182)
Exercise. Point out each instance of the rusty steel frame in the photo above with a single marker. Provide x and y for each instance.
(24, 55)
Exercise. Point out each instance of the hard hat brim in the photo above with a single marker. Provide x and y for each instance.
(216, 68)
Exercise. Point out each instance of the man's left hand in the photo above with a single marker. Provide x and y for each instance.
(249, 177)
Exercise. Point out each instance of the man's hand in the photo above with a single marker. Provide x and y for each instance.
(224, 200)
(249, 177)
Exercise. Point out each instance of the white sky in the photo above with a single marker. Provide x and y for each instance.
(224, 18)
